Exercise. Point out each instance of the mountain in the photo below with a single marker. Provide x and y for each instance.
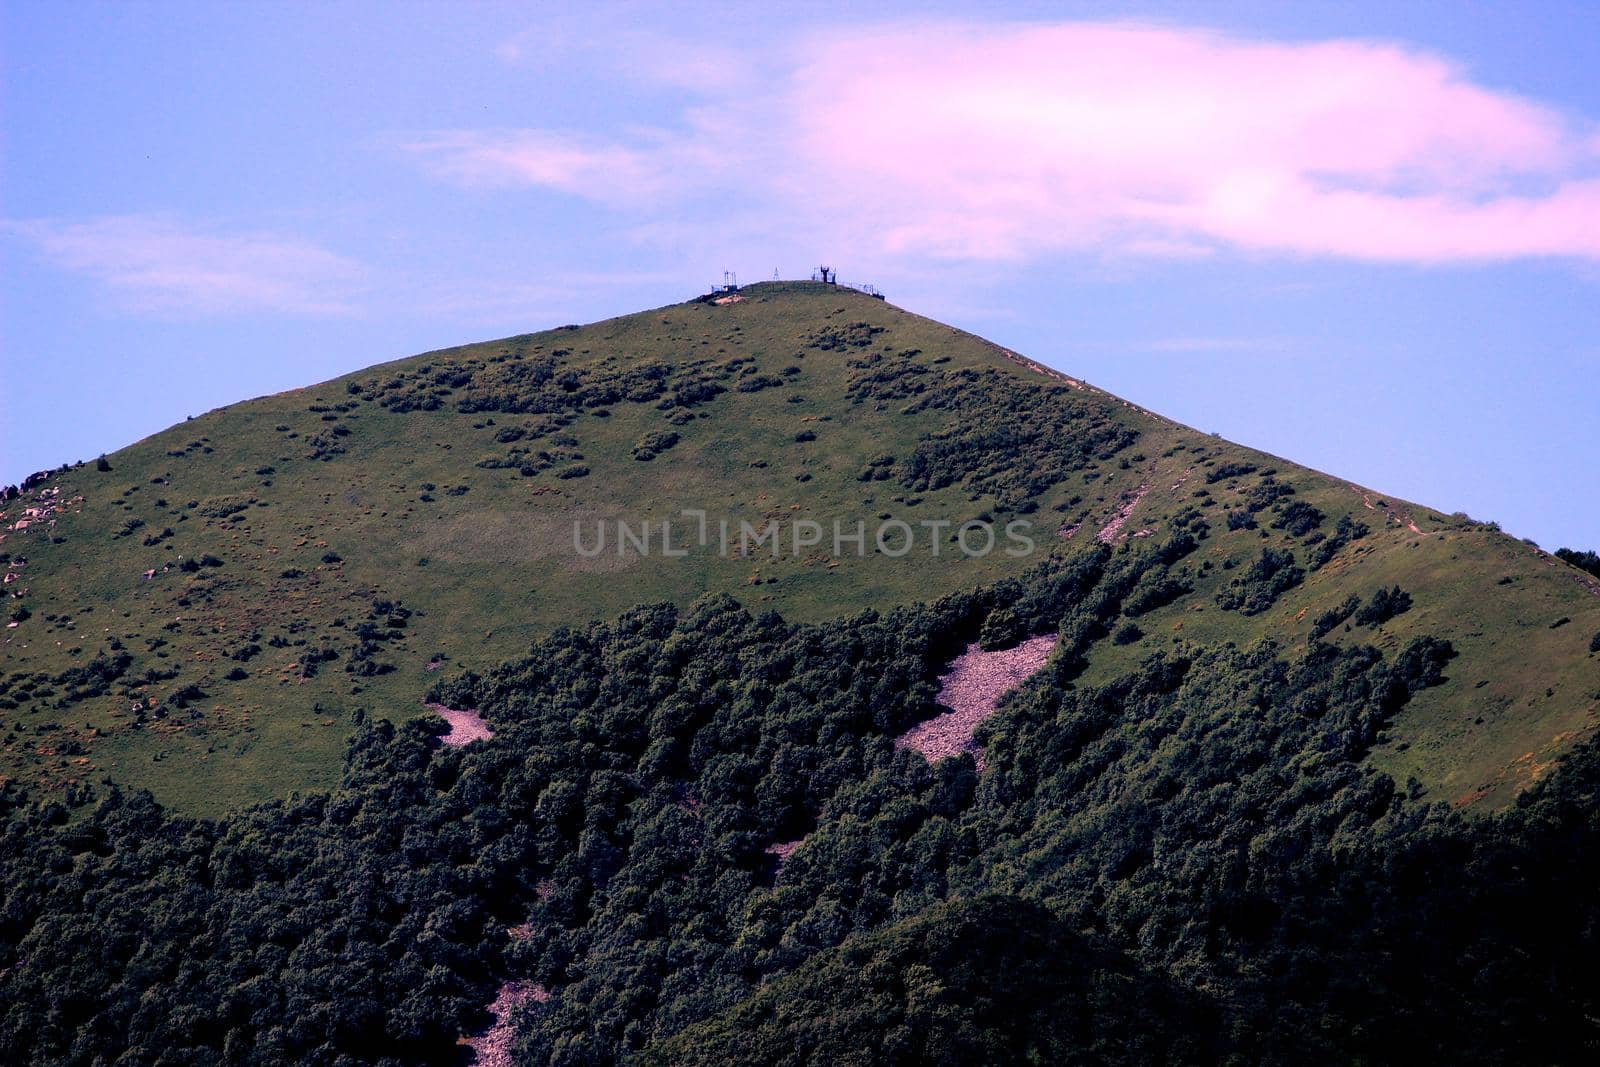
(332, 737)
(223, 595)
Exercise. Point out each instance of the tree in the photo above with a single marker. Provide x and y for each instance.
(1584, 561)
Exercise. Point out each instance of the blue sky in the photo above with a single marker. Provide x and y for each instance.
(1364, 236)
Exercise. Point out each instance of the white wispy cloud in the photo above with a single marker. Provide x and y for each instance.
(159, 264)
(561, 161)
(1197, 345)
(1012, 141)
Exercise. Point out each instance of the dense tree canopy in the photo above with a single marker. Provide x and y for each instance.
(1188, 863)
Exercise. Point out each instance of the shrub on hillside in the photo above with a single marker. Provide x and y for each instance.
(1384, 605)
(1156, 588)
(1298, 518)
(1271, 575)
(653, 444)
(757, 382)
(1329, 620)
(1267, 492)
(1229, 470)
(1346, 531)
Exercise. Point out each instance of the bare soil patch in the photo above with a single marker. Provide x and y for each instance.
(493, 1046)
(971, 689)
(465, 725)
(1108, 533)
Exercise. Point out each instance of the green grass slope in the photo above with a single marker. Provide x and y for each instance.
(203, 617)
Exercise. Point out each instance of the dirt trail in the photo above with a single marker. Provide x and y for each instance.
(493, 1046)
(1401, 518)
(1108, 533)
(971, 689)
(465, 726)
(1035, 366)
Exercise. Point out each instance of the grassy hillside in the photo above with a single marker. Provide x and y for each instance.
(203, 613)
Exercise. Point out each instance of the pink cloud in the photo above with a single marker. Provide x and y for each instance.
(1002, 142)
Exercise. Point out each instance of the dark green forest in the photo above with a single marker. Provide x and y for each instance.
(1187, 864)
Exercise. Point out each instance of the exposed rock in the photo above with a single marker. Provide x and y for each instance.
(493, 1046)
(465, 725)
(972, 689)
